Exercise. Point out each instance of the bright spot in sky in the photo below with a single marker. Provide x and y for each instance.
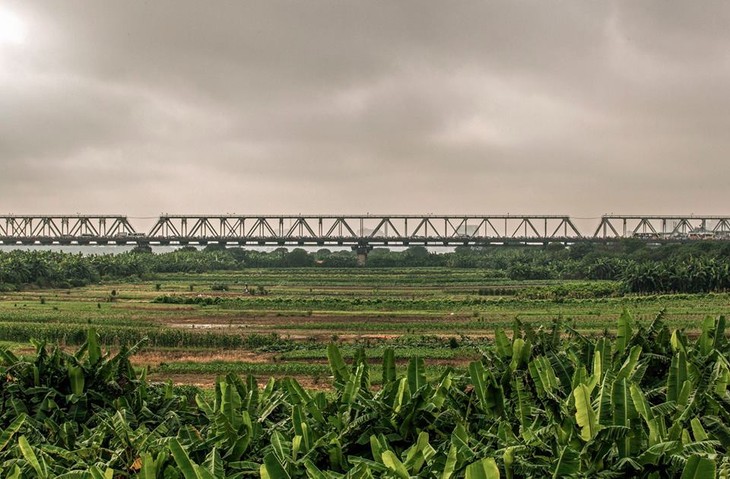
(12, 29)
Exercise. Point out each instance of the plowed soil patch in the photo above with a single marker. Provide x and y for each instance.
(154, 358)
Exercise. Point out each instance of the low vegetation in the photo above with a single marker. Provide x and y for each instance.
(643, 402)
(639, 267)
(482, 375)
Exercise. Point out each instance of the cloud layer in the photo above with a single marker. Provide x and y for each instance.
(567, 107)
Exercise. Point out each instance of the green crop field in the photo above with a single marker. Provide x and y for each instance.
(651, 403)
(278, 322)
(391, 372)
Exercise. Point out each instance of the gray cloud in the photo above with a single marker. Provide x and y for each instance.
(283, 106)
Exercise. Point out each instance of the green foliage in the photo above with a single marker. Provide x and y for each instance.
(75, 334)
(694, 275)
(543, 403)
(685, 268)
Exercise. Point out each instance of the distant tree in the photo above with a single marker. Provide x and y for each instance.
(416, 256)
(463, 250)
(141, 248)
(555, 247)
(383, 257)
(579, 250)
(298, 258)
(239, 254)
(341, 259)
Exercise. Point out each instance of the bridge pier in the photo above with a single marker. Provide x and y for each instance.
(362, 251)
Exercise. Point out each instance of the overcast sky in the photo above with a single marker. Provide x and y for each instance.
(565, 107)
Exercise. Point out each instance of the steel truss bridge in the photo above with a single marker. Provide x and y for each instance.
(359, 231)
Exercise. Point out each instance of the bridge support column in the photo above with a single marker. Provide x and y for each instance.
(142, 246)
(362, 251)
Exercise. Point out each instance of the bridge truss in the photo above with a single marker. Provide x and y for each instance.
(663, 227)
(360, 229)
(64, 229)
(355, 230)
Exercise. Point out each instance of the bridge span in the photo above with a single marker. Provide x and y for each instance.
(358, 231)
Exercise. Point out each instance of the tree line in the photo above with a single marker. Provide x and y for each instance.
(642, 268)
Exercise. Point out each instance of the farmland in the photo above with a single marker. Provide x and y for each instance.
(278, 322)
(275, 372)
(546, 403)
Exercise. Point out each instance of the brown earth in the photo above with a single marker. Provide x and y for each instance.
(207, 381)
(156, 357)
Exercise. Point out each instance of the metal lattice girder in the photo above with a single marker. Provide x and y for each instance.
(56, 227)
(722, 226)
(321, 229)
(663, 227)
(355, 229)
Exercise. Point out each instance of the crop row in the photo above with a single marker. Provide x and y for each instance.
(222, 368)
(419, 303)
(244, 368)
(160, 337)
(455, 352)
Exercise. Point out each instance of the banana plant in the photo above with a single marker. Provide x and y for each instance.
(540, 404)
